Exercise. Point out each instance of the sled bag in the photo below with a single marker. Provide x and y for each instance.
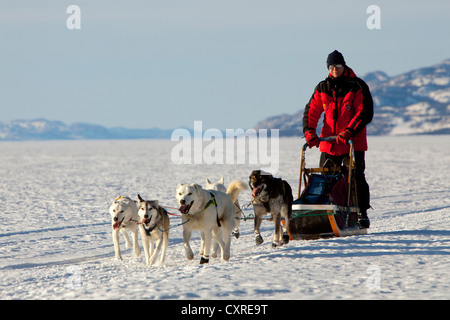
(318, 188)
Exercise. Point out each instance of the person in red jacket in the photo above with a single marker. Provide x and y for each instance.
(347, 105)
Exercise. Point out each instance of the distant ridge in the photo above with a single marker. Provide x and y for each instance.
(415, 102)
(42, 129)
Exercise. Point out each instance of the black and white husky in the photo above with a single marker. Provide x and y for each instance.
(274, 196)
(154, 225)
(124, 217)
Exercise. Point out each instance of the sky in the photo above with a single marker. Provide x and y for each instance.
(168, 63)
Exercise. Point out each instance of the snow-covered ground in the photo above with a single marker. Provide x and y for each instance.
(55, 240)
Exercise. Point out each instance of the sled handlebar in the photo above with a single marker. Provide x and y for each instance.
(331, 139)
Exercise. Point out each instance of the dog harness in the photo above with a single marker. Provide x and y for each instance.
(148, 231)
(211, 201)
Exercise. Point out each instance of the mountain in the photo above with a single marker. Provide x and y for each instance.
(416, 102)
(42, 129)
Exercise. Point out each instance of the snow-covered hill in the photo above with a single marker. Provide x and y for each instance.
(55, 230)
(416, 102)
(43, 129)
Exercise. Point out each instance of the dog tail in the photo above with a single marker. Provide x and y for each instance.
(235, 188)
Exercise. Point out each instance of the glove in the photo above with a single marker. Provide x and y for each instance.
(311, 138)
(344, 136)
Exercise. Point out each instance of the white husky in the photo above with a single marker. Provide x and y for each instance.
(124, 217)
(208, 211)
(154, 225)
(233, 191)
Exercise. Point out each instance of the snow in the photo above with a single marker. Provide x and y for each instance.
(419, 109)
(56, 242)
(441, 95)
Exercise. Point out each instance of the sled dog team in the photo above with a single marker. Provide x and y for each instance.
(213, 211)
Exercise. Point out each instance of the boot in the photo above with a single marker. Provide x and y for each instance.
(363, 220)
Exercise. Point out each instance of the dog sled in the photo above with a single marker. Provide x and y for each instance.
(327, 206)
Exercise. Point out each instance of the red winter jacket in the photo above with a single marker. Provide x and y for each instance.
(347, 104)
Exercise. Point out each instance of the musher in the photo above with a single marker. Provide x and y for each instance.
(348, 106)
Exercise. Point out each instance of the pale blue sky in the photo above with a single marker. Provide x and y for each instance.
(166, 63)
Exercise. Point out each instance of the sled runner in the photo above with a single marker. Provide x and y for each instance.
(327, 206)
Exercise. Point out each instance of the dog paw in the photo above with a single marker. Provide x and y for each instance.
(204, 260)
(259, 240)
(189, 254)
(276, 244)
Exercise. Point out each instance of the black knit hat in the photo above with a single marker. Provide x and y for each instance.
(335, 58)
